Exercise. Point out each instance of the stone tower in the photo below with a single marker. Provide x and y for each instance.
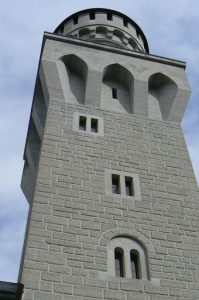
(113, 207)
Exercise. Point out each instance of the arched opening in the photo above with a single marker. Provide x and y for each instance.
(117, 89)
(74, 78)
(135, 264)
(101, 32)
(119, 262)
(161, 93)
(118, 36)
(127, 257)
(84, 34)
(132, 45)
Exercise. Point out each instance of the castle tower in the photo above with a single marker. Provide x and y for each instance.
(113, 207)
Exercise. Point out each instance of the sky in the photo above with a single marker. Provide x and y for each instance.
(171, 28)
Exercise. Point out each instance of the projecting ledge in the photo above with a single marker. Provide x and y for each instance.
(10, 291)
(150, 57)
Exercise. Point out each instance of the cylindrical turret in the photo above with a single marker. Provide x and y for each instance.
(105, 26)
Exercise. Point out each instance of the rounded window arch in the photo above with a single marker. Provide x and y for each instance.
(127, 257)
(117, 89)
(73, 74)
(135, 264)
(84, 34)
(101, 32)
(118, 36)
(162, 91)
(119, 262)
(132, 45)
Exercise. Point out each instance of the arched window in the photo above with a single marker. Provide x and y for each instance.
(101, 32)
(127, 258)
(132, 45)
(118, 36)
(84, 34)
(117, 89)
(161, 93)
(135, 262)
(119, 262)
(73, 74)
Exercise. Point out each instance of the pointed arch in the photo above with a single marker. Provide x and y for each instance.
(73, 72)
(117, 89)
(162, 91)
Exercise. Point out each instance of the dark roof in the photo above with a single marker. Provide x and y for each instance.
(10, 290)
(126, 18)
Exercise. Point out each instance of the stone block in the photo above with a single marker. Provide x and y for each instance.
(89, 292)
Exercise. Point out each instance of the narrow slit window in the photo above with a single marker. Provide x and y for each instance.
(82, 123)
(92, 15)
(129, 186)
(119, 262)
(75, 20)
(109, 16)
(125, 22)
(115, 184)
(94, 125)
(114, 93)
(135, 265)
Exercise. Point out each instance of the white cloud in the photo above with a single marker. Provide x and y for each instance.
(172, 30)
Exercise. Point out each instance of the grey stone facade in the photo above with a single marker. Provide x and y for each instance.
(74, 221)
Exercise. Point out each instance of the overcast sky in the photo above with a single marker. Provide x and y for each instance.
(171, 28)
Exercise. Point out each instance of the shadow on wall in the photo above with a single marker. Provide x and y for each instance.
(161, 93)
(117, 89)
(117, 93)
(74, 72)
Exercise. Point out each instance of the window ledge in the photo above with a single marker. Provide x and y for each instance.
(152, 281)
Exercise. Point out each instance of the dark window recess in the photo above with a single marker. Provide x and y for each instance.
(119, 262)
(125, 22)
(114, 93)
(82, 123)
(115, 184)
(94, 125)
(109, 16)
(61, 28)
(129, 186)
(75, 20)
(135, 265)
(92, 15)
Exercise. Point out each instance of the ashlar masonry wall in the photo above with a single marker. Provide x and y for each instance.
(74, 217)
